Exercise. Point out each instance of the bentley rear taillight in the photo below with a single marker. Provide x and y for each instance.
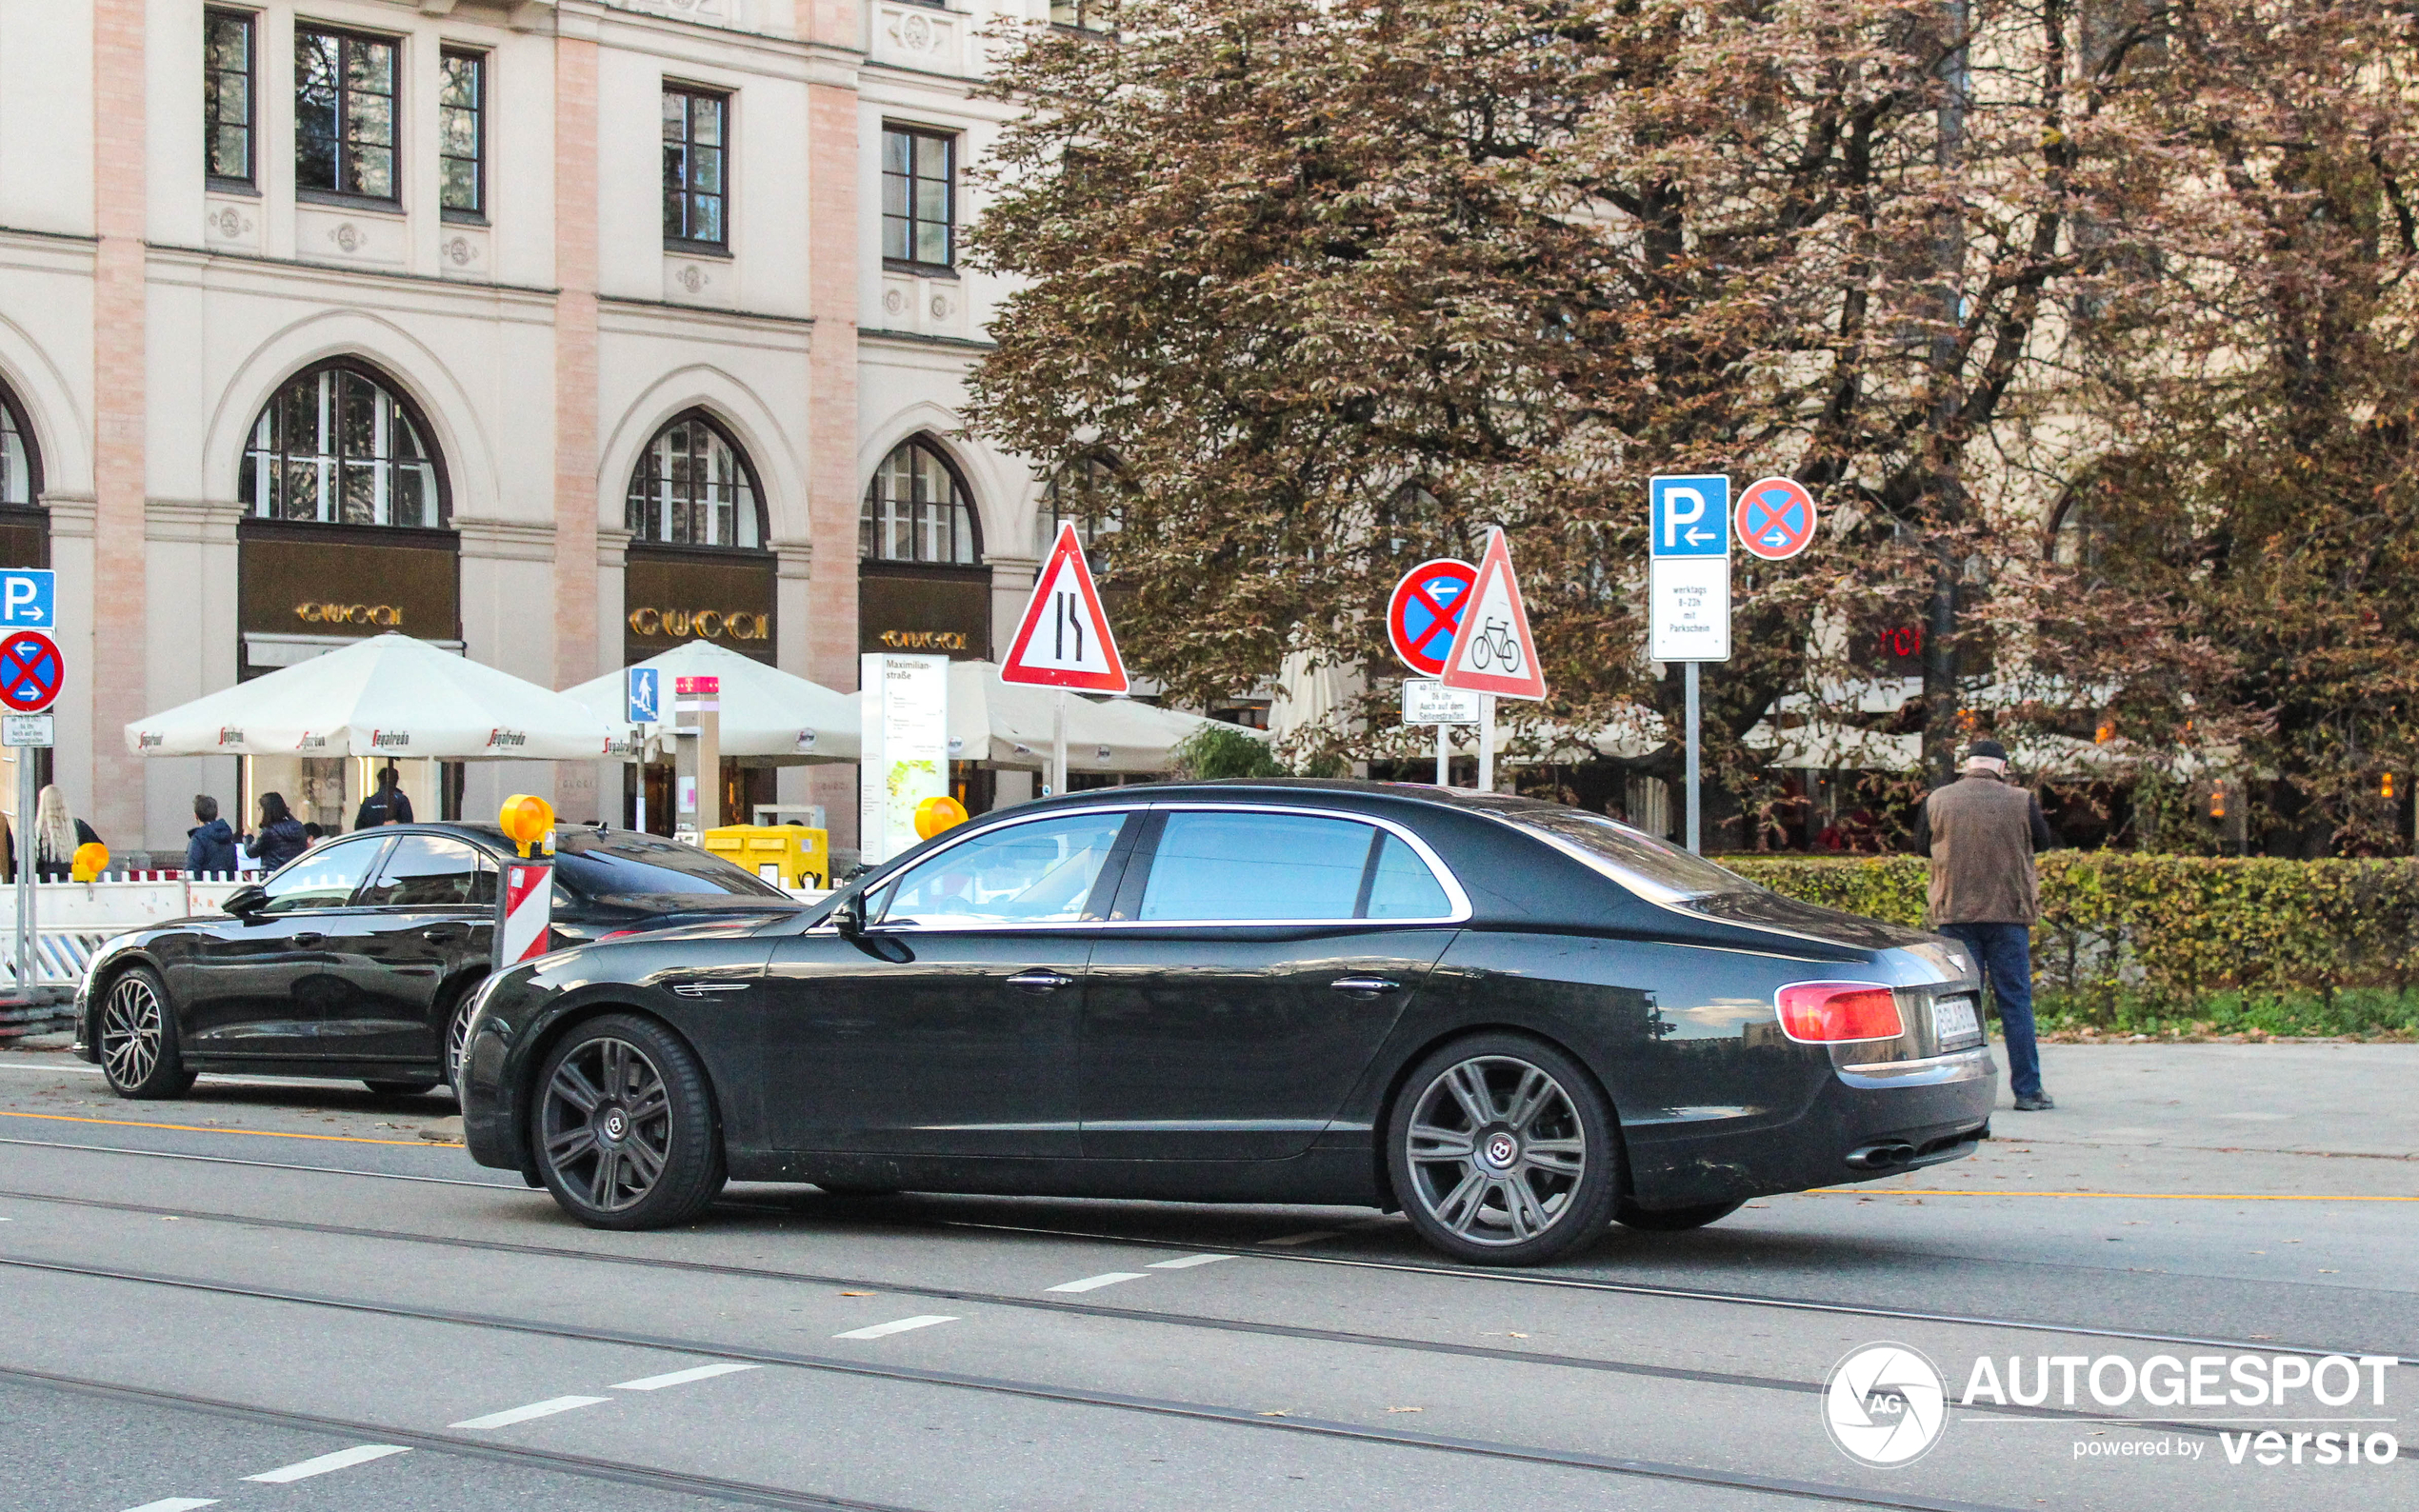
(1835, 1012)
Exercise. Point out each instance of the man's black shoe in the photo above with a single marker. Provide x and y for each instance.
(2040, 1103)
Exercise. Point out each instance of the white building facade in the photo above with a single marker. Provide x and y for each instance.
(560, 330)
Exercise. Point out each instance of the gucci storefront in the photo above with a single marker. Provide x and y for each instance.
(922, 582)
(347, 532)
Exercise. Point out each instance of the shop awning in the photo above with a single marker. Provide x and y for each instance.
(387, 695)
(1008, 724)
(765, 712)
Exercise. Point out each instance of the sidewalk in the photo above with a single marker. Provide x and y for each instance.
(2316, 1099)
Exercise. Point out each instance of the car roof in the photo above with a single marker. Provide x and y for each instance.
(1340, 791)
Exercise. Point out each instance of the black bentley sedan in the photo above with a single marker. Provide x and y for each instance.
(357, 959)
(1513, 1020)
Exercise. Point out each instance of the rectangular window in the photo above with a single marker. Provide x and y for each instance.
(696, 164)
(226, 96)
(344, 114)
(1085, 16)
(461, 126)
(919, 197)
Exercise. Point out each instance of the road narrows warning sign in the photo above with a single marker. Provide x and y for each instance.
(1064, 640)
(1493, 651)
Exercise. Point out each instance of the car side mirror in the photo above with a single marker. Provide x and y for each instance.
(848, 916)
(246, 901)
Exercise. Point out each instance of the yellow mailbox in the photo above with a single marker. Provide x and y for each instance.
(796, 856)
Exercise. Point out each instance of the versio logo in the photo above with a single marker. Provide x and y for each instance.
(1884, 1405)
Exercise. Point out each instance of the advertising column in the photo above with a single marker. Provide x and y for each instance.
(904, 754)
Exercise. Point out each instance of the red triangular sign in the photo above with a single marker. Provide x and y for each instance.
(1064, 639)
(1493, 652)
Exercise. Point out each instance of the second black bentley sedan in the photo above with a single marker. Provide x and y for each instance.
(1511, 1019)
(357, 959)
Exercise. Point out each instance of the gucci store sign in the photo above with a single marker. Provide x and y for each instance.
(671, 597)
(705, 624)
(304, 589)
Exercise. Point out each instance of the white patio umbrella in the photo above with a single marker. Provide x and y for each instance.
(389, 695)
(766, 712)
(1007, 725)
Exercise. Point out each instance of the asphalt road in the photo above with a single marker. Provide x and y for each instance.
(280, 1295)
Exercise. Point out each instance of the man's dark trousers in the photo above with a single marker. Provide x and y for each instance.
(2005, 953)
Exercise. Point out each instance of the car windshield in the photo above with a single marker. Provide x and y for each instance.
(1655, 868)
(623, 864)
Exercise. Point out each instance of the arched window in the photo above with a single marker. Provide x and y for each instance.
(20, 472)
(692, 486)
(916, 509)
(1084, 494)
(336, 445)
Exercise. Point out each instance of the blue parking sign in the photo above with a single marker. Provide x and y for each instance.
(644, 685)
(1688, 516)
(26, 596)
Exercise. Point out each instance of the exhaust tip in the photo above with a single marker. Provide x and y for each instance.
(1882, 1156)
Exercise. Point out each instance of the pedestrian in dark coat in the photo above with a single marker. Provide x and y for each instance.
(388, 805)
(209, 845)
(1980, 832)
(281, 837)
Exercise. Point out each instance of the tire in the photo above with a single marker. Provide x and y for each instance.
(410, 1089)
(623, 1124)
(137, 1038)
(1672, 1219)
(1483, 1121)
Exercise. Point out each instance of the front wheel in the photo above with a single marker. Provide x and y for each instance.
(139, 1057)
(1503, 1151)
(625, 1126)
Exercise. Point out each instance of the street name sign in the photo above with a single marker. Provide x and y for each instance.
(1425, 611)
(1063, 640)
(1426, 701)
(1493, 651)
(1776, 518)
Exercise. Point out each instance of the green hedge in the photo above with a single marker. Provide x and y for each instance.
(2174, 931)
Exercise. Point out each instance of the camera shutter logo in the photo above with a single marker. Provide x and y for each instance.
(1884, 1405)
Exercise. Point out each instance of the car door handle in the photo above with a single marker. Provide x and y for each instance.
(445, 931)
(1041, 979)
(1366, 984)
(309, 937)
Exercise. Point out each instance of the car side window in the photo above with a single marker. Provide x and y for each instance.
(1040, 873)
(431, 871)
(1213, 867)
(322, 878)
(1400, 887)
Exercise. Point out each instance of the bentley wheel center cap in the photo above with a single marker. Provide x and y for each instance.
(1502, 1149)
(616, 1124)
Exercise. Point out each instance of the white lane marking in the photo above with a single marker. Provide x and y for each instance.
(1311, 1238)
(682, 1378)
(897, 1326)
(535, 1409)
(175, 1504)
(1095, 1283)
(342, 1458)
(1186, 1262)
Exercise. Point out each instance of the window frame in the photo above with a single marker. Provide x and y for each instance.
(404, 406)
(479, 60)
(250, 181)
(377, 846)
(698, 414)
(949, 139)
(349, 37)
(1084, 22)
(1137, 878)
(961, 491)
(1107, 884)
(674, 241)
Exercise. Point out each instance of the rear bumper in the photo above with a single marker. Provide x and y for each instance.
(1865, 1123)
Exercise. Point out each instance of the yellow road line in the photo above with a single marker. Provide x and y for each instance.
(256, 1133)
(2159, 1197)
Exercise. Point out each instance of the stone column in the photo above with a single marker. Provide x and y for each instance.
(575, 499)
(120, 686)
(834, 31)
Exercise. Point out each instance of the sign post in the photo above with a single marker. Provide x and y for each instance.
(30, 673)
(1063, 642)
(1494, 654)
(1689, 595)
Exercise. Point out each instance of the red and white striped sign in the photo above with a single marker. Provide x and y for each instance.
(529, 899)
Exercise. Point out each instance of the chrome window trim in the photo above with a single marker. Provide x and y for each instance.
(1458, 899)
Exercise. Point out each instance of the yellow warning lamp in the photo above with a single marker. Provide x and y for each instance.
(93, 858)
(2385, 787)
(526, 819)
(2217, 800)
(934, 815)
(2106, 731)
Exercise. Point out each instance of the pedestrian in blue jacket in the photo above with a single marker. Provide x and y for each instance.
(209, 847)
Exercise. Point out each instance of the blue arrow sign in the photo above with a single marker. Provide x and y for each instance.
(1688, 516)
(24, 598)
(645, 687)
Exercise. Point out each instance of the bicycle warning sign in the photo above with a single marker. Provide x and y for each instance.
(1493, 651)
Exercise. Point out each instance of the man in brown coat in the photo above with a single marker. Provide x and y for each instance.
(1980, 832)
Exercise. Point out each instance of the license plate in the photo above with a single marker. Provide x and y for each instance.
(1954, 1024)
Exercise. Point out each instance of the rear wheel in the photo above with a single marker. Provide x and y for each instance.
(139, 1057)
(1672, 1220)
(625, 1126)
(457, 1042)
(1503, 1151)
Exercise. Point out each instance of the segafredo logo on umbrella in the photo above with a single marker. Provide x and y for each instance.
(147, 738)
(389, 740)
(498, 739)
(230, 735)
(1885, 1404)
(311, 742)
